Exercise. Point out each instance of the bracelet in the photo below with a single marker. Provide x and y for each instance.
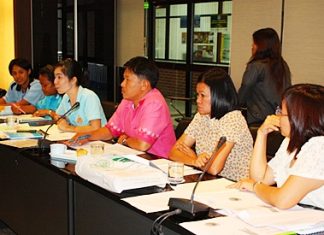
(124, 141)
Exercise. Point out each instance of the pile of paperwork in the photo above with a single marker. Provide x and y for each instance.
(244, 212)
(117, 173)
(118, 169)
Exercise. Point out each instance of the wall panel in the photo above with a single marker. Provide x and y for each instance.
(130, 30)
(303, 40)
(6, 40)
(249, 16)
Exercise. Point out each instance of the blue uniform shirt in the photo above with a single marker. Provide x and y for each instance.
(49, 102)
(33, 94)
(90, 108)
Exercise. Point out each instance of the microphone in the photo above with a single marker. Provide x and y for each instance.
(43, 143)
(190, 208)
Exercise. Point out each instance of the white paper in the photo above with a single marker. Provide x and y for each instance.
(5, 127)
(225, 225)
(159, 201)
(154, 202)
(294, 219)
(55, 134)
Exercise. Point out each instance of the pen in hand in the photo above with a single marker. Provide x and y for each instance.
(17, 107)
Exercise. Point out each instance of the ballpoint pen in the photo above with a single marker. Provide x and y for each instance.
(26, 131)
(82, 137)
(17, 107)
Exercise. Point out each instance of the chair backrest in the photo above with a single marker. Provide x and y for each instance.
(182, 125)
(2, 92)
(109, 108)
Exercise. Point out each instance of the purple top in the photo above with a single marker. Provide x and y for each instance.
(150, 122)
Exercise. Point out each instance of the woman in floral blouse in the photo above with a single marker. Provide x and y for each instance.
(217, 116)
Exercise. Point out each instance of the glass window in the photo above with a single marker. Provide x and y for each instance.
(227, 7)
(178, 32)
(208, 24)
(160, 12)
(211, 36)
(208, 8)
(178, 10)
(160, 38)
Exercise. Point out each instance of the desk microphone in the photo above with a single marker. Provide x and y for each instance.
(43, 143)
(189, 207)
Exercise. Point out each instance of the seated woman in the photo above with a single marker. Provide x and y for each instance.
(24, 90)
(216, 117)
(90, 115)
(298, 166)
(51, 101)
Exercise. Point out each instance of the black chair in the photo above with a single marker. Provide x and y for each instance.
(273, 141)
(182, 125)
(109, 108)
(2, 92)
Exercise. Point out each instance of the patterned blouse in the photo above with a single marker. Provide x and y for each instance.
(233, 126)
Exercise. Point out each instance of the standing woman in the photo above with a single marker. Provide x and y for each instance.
(217, 116)
(24, 90)
(266, 76)
(90, 115)
(298, 166)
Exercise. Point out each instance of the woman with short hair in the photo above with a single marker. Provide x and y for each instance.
(24, 90)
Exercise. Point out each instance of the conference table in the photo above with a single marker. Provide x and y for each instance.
(39, 198)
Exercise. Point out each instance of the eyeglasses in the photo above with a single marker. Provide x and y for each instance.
(279, 112)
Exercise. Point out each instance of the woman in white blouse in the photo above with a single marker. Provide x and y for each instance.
(298, 166)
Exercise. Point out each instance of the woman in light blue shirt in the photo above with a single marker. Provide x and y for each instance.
(89, 115)
(24, 90)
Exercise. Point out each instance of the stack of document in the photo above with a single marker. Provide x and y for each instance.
(117, 173)
(21, 135)
(69, 156)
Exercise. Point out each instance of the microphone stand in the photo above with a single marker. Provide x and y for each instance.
(43, 143)
(189, 207)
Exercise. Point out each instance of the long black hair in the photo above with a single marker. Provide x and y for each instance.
(269, 50)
